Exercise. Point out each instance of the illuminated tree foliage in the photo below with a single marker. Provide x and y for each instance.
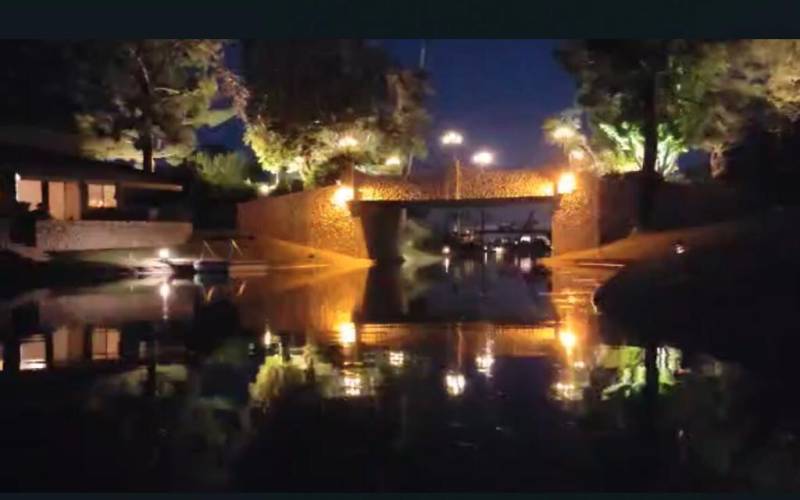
(132, 100)
(223, 170)
(320, 105)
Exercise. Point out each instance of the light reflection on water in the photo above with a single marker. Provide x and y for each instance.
(499, 368)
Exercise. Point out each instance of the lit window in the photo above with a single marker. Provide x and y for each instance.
(105, 343)
(102, 196)
(32, 354)
(29, 191)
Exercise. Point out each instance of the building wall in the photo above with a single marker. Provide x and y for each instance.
(575, 223)
(56, 235)
(308, 218)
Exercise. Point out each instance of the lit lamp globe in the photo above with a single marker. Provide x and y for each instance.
(452, 138)
(483, 158)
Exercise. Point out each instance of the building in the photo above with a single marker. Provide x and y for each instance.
(56, 202)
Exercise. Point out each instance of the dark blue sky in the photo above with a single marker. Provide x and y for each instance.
(498, 92)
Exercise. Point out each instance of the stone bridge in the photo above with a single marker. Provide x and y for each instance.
(361, 217)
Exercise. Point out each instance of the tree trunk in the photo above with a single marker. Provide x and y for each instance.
(650, 130)
(717, 162)
(146, 142)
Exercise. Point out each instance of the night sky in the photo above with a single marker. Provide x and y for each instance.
(497, 92)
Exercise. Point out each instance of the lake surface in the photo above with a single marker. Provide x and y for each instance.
(490, 375)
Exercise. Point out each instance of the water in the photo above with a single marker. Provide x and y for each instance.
(463, 375)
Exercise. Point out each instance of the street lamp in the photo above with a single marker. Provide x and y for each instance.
(393, 161)
(452, 138)
(563, 133)
(347, 141)
(483, 158)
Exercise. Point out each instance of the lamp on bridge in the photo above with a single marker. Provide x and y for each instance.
(483, 158)
(567, 182)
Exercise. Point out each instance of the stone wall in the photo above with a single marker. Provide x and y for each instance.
(575, 223)
(56, 235)
(308, 218)
(465, 183)
(606, 209)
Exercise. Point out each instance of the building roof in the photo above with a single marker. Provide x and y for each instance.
(45, 165)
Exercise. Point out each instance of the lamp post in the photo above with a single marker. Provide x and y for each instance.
(452, 140)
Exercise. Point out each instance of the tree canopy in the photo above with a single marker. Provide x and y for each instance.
(320, 104)
(136, 99)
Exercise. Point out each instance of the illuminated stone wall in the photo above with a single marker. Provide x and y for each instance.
(57, 235)
(469, 183)
(575, 224)
(308, 218)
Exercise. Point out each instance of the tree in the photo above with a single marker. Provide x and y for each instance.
(321, 105)
(222, 170)
(155, 93)
(116, 99)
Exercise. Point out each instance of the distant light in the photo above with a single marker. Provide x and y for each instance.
(164, 290)
(264, 189)
(163, 253)
(352, 384)
(347, 332)
(342, 195)
(17, 177)
(484, 363)
(577, 155)
(455, 383)
(393, 161)
(525, 238)
(567, 183)
(567, 339)
(447, 264)
(397, 358)
(526, 264)
(452, 138)
(680, 249)
(499, 249)
(267, 337)
(483, 158)
(446, 250)
(563, 132)
(348, 141)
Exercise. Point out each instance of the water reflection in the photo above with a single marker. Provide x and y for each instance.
(457, 376)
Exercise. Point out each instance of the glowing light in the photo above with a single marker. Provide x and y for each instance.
(397, 358)
(525, 238)
(264, 189)
(348, 141)
(446, 250)
(499, 249)
(455, 383)
(483, 158)
(164, 290)
(342, 195)
(347, 333)
(567, 339)
(563, 132)
(526, 264)
(447, 264)
(452, 138)
(393, 161)
(484, 363)
(577, 155)
(679, 248)
(567, 183)
(163, 253)
(267, 337)
(352, 384)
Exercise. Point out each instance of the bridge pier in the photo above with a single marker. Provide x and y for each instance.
(381, 228)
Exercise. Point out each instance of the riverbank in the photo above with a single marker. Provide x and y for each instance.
(733, 291)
